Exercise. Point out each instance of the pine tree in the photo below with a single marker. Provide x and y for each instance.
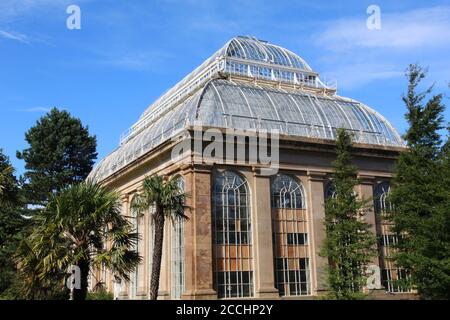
(8, 182)
(420, 194)
(349, 244)
(61, 152)
(444, 210)
(11, 222)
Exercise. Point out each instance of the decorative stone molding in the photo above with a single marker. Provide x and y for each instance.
(316, 175)
(366, 180)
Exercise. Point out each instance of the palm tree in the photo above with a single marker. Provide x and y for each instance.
(30, 283)
(73, 230)
(168, 199)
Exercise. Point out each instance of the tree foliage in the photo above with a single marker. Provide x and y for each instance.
(421, 193)
(8, 183)
(11, 223)
(61, 152)
(349, 244)
(81, 226)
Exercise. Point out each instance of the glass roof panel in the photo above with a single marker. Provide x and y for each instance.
(250, 48)
(242, 105)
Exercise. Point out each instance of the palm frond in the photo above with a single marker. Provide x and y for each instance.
(76, 227)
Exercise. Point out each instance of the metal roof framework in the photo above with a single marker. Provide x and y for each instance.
(250, 84)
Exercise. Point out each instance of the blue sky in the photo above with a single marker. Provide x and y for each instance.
(127, 53)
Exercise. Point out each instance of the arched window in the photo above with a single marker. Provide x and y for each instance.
(287, 193)
(382, 206)
(232, 236)
(390, 274)
(177, 256)
(134, 277)
(290, 237)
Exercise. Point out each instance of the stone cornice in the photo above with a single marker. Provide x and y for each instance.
(316, 175)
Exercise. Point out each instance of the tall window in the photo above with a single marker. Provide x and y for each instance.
(103, 275)
(151, 243)
(177, 256)
(134, 277)
(290, 237)
(390, 274)
(232, 236)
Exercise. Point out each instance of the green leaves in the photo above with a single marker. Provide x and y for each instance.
(82, 225)
(425, 120)
(11, 222)
(349, 244)
(61, 153)
(164, 193)
(8, 183)
(421, 194)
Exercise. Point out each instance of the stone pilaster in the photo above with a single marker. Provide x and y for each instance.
(365, 193)
(262, 235)
(198, 236)
(189, 257)
(316, 211)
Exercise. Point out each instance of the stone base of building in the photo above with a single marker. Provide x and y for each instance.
(381, 294)
(163, 295)
(268, 294)
(206, 294)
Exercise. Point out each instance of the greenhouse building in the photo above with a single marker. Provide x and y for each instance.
(250, 234)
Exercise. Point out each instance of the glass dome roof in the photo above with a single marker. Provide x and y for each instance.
(215, 97)
(249, 48)
(244, 56)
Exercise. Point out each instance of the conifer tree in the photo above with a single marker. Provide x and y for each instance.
(11, 222)
(61, 153)
(420, 194)
(349, 244)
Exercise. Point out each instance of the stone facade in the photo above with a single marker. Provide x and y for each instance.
(308, 161)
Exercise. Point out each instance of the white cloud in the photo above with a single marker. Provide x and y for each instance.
(10, 9)
(357, 56)
(426, 27)
(355, 75)
(14, 36)
(35, 109)
(139, 60)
